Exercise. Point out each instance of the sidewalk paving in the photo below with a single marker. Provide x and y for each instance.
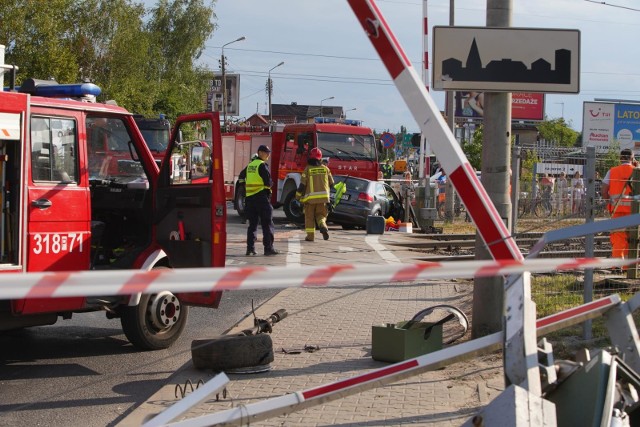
(338, 319)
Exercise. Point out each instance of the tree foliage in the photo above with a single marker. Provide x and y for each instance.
(558, 131)
(473, 148)
(145, 60)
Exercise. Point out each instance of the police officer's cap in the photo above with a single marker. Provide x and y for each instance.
(264, 148)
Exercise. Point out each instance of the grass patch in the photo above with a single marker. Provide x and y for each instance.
(557, 292)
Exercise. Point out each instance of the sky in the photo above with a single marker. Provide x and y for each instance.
(327, 54)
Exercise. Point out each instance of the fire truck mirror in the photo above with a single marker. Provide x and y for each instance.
(200, 162)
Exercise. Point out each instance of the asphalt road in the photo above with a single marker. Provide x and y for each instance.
(83, 371)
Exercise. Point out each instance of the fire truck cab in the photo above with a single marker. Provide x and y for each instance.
(156, 133)
(80, 190)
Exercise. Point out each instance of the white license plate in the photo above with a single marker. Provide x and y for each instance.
(344, 197)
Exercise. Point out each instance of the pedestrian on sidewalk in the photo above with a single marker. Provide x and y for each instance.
(258, 203)
(616, 186)
(577, 189)
(562, 188)
(313, 192)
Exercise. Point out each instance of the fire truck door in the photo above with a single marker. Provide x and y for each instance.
(190, 210)
(57, 204)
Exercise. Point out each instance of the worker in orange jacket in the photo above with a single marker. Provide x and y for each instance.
(616, 186)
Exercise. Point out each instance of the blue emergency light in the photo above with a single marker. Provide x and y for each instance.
(52, 89)
(349, 122)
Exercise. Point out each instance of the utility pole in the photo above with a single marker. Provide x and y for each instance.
(451, 121)
(488, 293)
(223, 61)
(270, 90)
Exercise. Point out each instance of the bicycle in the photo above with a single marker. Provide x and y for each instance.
(541, 207)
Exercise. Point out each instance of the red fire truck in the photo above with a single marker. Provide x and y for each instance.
(350, 148)
(80, 190)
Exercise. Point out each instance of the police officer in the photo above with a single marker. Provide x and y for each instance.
(313, 192)
(242, 178)
(616, 187)
(258, 202)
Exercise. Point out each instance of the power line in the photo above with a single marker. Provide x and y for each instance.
(298, 54)
(613, 5)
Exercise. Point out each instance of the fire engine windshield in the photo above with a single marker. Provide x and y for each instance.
(157, 139)
(111, 154)
(345, 146)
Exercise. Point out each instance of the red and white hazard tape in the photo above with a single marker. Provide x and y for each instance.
(127, 282)
(254, 412)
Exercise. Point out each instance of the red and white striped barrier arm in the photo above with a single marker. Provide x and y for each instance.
(292, 402)
(500, 243)
(127, 282)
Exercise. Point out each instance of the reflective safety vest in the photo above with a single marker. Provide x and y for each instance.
(619, 190)
(254, 183)
(316, 181)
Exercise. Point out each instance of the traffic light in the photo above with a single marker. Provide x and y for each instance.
(415, 140)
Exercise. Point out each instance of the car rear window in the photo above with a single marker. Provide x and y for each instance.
(353, 184)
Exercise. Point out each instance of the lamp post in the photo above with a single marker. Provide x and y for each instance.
(346, 111)
(562, 104)
(223, 61)
(326, 99)
(270, 90)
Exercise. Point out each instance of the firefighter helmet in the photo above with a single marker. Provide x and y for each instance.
(315, 153)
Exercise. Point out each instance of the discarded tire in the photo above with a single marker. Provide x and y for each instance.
(232, 352)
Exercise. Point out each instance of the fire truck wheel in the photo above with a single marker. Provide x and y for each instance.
(293, 208)
(155, 323)
(232, 352)
(238, 201)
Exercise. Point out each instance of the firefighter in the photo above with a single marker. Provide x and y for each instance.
(616, 186)
(387, 170)
(313, 192)
(258, 202)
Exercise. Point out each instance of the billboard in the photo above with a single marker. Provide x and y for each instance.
(608, 125)
(214, 95)
(524, 105)
(506, 59)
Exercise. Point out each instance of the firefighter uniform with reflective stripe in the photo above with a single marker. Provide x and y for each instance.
(619, 205)
(313, 192)
(258, 205)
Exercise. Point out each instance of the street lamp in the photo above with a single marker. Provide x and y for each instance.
(224, 81)
(326, 99)
(561, 103)
(346, 111)
(270, 89)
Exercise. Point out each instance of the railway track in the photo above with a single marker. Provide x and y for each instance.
(441, 247)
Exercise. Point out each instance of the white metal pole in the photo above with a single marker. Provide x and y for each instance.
(184, 405)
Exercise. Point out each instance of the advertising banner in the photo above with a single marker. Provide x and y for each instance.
(524, 105)
(215, 98)
(608, 126)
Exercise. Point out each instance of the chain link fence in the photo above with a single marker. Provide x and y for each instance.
(553, 188)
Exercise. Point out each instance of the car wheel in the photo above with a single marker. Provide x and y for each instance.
(293, 208)
(232, 352)
(156, 322)
(348, 227)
